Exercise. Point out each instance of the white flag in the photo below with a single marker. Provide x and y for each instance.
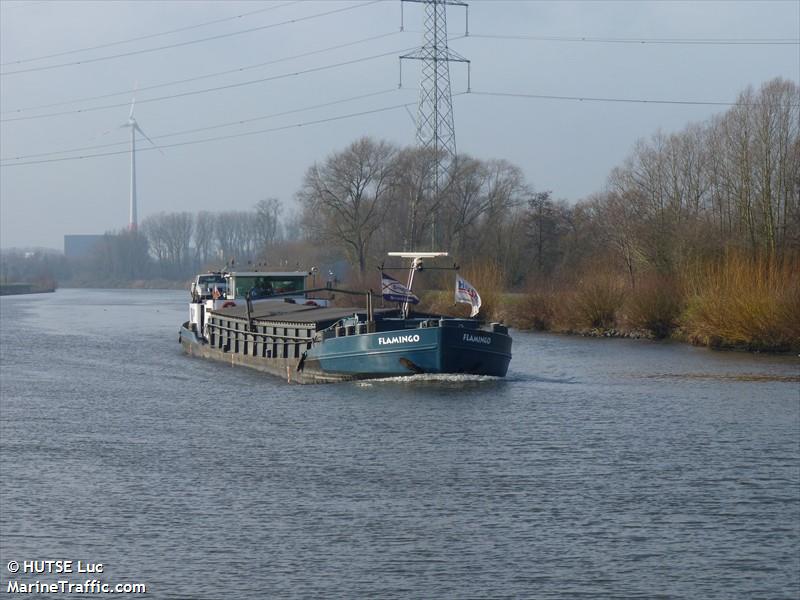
(468, 295)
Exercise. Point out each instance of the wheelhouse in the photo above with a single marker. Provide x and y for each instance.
(262, 285)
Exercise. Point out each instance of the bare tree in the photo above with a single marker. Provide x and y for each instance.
(179, 227)
(344, 199)
(121, 256)
(170, 236)
(227, 235)
(153, 229)
(465, 201)
(203, 238)
(267, 223)
(542, 229)
(413, 198)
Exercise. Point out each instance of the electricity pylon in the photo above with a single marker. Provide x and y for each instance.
(435, 128)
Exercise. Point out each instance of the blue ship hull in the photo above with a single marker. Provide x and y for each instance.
(445, 349)
(309, 344)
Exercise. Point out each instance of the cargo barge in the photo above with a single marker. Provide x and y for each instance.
(268, 321)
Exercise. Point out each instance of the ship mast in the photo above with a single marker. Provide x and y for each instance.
(416, 265)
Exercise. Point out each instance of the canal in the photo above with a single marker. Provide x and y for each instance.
(599, 468)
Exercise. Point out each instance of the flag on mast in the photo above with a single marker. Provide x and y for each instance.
(467, 294)
(394, 291)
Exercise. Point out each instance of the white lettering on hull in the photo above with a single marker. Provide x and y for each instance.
(398, 339)
(478, 339)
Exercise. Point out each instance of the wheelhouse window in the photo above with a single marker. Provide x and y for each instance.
(207, 283)
(265, 286)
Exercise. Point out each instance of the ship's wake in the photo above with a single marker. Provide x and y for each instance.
(446, 378)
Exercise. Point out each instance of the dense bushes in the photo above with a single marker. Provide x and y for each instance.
(734, 302)
(743, 302)
(597, 301)
(695, 236)
(655, 305)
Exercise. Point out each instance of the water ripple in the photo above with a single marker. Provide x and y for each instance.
(597, 469)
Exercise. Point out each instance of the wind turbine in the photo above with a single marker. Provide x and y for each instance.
(134, 127)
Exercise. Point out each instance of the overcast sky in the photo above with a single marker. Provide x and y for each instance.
(566, 146)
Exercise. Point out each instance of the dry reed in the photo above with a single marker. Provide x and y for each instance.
(655, 305)
(597, 301)
(745, 302)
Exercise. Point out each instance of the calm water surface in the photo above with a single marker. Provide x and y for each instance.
(597, 469)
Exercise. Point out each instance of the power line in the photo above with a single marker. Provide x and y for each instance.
(207, 128)
(348, 44)
(221, 137)
(191, 42)
(149, 36)
(359, 97)
(610, 40)
(626, 100)
(362, 113)
(200, 77)
(208, 90)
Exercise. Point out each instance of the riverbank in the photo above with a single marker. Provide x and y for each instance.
(528, 313)
(735, 304)
(17, 289)
(126, 284)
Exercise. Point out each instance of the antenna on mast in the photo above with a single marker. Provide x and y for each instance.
(416, 265)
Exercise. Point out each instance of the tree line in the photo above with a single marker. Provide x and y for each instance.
(181, 243)
(696, 234)
(374, 197)
(175, 245)
(167, 246)
(731, 182)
